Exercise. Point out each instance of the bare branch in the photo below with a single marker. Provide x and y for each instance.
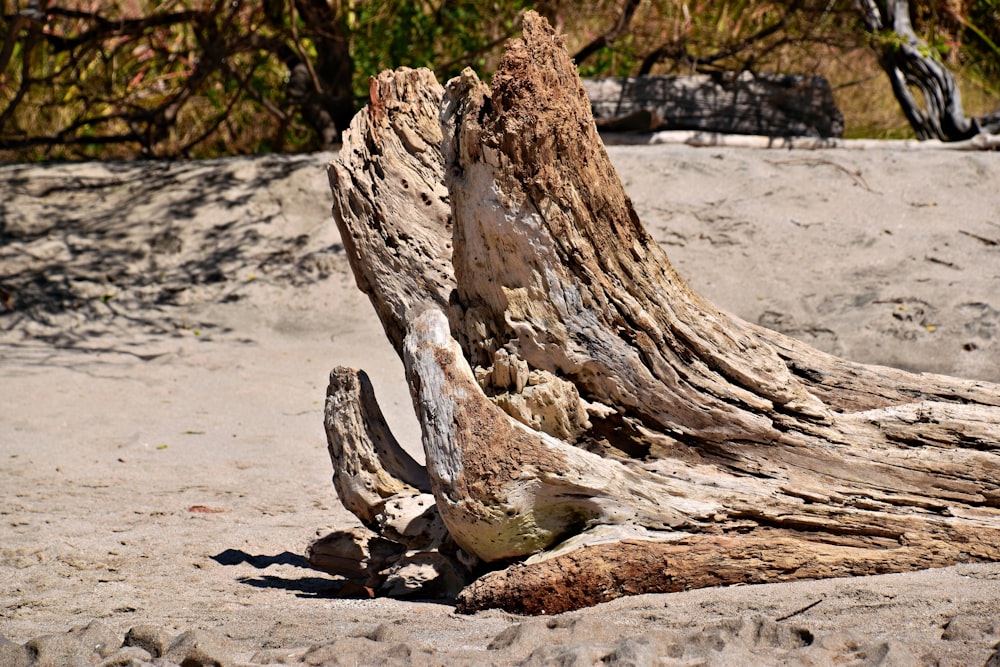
(608, 38)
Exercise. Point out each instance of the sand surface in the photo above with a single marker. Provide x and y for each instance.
(163, 359)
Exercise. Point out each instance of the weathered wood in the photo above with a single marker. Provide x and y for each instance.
(603, 572)
(372, 564)
(348, 553)
(908, 63)
(392, 201)
(775, 105)
(505, 490)
(405, 548)
(582, 406)
(369, 465)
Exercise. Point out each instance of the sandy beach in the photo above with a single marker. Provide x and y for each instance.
(166, 333)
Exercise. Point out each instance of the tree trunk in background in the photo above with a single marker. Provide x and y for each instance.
(907, 62)
(589, 418)
(320, 86)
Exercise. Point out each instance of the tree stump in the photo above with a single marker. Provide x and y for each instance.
(592, 427)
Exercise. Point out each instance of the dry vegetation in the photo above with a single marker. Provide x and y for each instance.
(199, 78)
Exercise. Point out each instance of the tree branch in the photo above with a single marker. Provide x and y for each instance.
(608, 38)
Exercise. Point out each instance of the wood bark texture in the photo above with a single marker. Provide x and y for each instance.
(592, 427)
(369, 465)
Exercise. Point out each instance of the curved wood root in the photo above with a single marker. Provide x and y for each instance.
(369, 465)
(585, 415)
(404, 548)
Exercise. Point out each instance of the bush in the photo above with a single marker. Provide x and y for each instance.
(200, 78)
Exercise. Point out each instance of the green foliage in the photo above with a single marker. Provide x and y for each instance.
(980, 37)
(618, 60)
(445, 36)
(124, 78)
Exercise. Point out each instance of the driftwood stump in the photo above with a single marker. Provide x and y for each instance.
(592, 427)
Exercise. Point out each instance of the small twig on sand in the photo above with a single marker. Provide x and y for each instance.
(856, 175)
(983, 239)
(799, 611)
(942, 262)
